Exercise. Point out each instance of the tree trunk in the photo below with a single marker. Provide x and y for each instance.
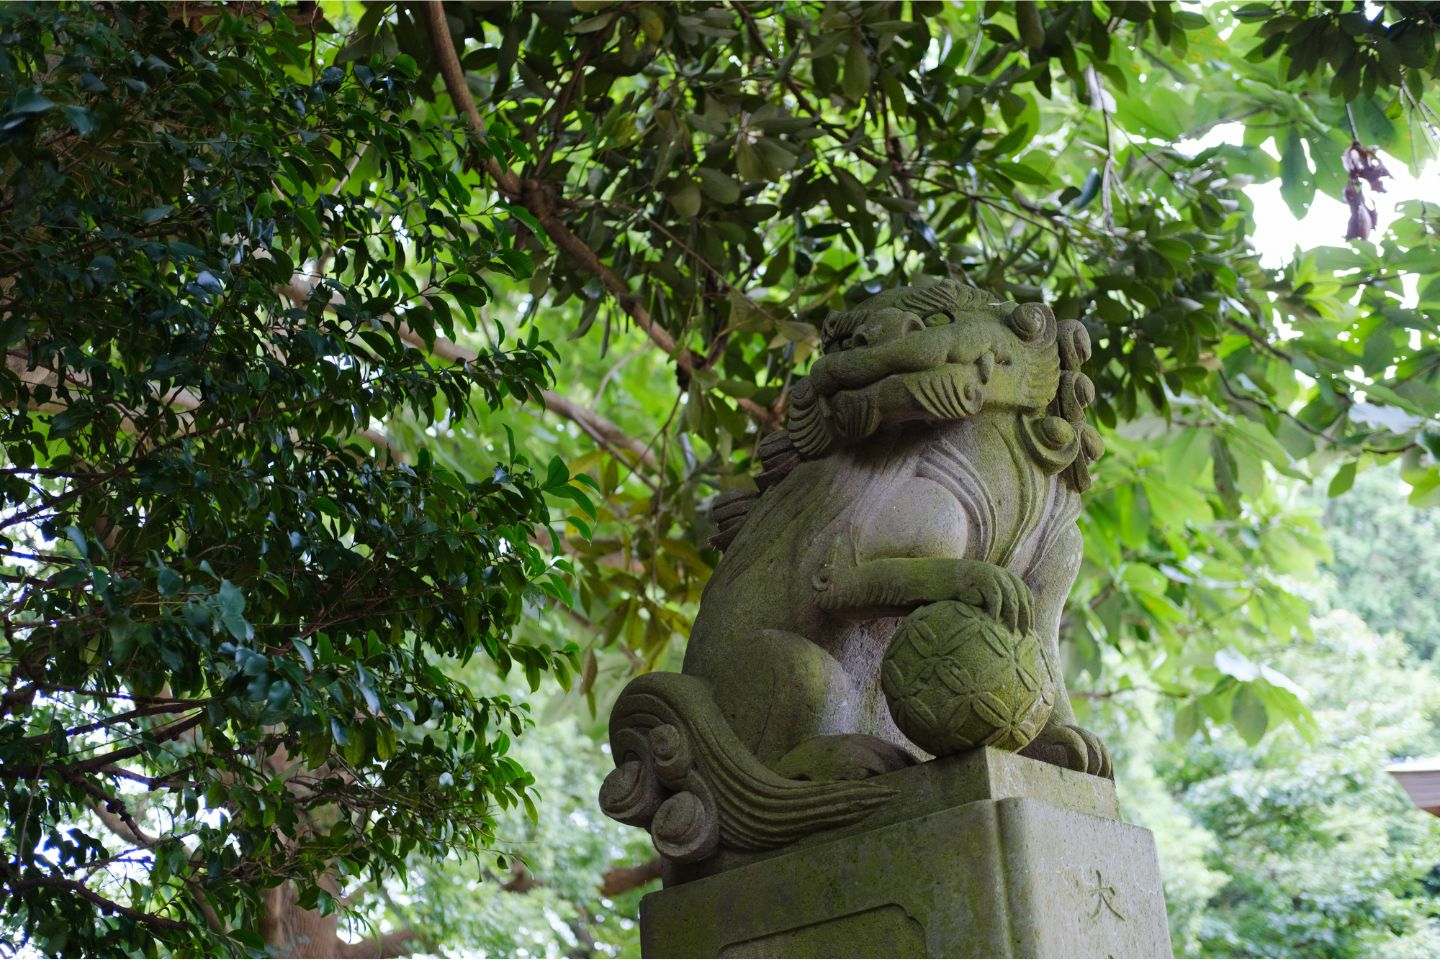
(292, 931)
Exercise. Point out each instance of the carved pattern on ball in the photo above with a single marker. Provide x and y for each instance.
(956, 680)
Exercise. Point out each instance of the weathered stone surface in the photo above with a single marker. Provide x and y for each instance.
(986, 855)
(892, 591)
(682, 772)
(927, 788)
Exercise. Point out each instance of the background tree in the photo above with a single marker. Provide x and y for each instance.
(1300, 847)
(1386, 560)
(229, 604)
(720, 176)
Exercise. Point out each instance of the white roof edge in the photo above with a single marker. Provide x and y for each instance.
(1427, 765)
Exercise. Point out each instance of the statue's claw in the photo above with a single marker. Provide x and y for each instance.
(1002, 594)
(1098, 761)
(1073, 748)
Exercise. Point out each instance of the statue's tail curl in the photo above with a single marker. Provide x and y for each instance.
(683, 774)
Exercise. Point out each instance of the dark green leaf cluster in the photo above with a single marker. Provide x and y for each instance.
(745, 163)
(1360, 48)
(228, 603)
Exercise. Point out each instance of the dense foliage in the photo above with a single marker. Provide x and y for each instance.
(227, 606)
(676, 194)
(720, 176)
(1385, 561)
(1301, 848)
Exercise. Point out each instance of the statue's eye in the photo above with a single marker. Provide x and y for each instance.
(938, 318)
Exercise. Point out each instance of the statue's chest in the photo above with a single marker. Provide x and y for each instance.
(1000, 493)
(968, 493)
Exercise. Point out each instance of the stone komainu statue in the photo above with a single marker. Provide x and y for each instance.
(892, 591)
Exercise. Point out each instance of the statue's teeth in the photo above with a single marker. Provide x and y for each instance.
(986, 363)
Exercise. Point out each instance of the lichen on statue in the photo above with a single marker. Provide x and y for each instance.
(892, 591)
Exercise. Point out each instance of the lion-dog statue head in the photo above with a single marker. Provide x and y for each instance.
(943, 351)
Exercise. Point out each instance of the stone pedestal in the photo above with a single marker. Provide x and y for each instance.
(983, 855)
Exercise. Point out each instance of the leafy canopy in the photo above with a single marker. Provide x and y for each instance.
(719, 176)
(683, 191)
(229, 605)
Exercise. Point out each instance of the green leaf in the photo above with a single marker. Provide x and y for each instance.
(651, 22)
(594, 24)
(1021, 172)
(718, 186)
(28, 102)
(1187, 722)
(1343, 480)
(81, 120)
(570, 492)
(556, 474)
(1089, 190)
(749, 164)
(1027, 19)
(232, 610)
(685, 198)
(1250, 714)
(1297, 184)
(856, 80)
(309, 221)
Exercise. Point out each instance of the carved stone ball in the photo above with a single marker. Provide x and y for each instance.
(955, 679)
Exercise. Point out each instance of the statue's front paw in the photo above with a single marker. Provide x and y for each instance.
(1000, 593)
(1073, 748)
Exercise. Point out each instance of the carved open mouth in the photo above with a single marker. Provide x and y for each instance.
(927, 351)
(949, 391)
(938, 374)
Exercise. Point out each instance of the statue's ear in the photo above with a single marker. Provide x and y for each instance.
(1051, 440)
(1076, 392)
(806, 423)
(1073, 341)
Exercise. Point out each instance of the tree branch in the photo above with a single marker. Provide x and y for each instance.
(593, 424)
(157, 736)
(397, 943)
(17, 361)
(104, 903)
(540, 200)
(618, 880)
